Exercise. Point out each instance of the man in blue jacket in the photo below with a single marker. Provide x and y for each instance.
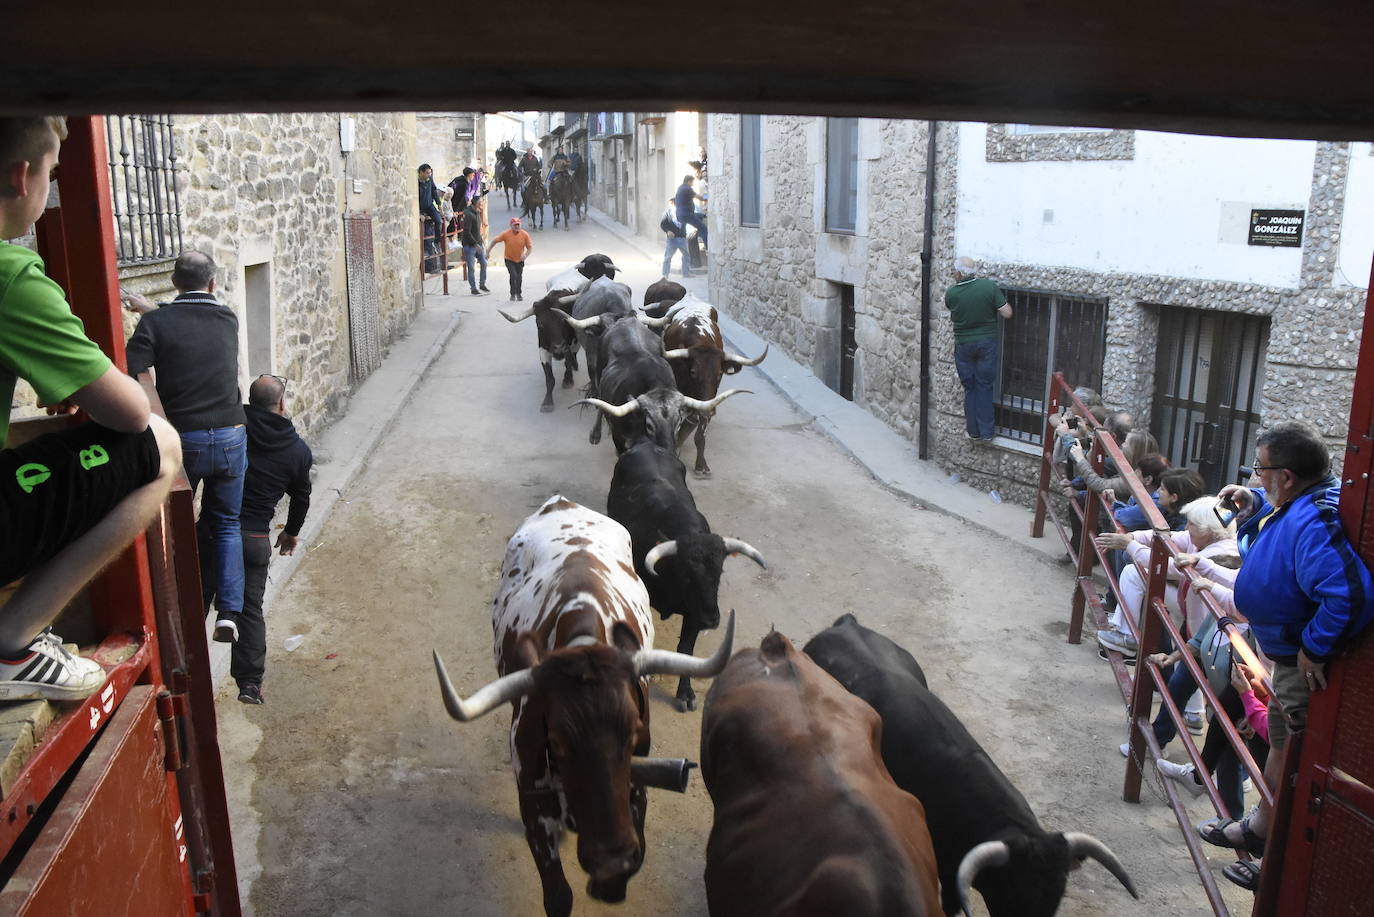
(1303, 588)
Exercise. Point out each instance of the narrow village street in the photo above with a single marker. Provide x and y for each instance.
(352, 792)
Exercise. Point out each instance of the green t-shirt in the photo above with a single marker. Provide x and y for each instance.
(973, 306)
(40, 339)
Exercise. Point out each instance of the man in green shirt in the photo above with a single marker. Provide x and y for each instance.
(72, 500)
(974, 304)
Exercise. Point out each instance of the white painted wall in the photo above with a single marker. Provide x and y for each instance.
(1357, 231)
(1181, 207)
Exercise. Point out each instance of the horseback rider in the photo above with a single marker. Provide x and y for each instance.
(505, 153)
(530, 164)
(579, 169)
(559, 165)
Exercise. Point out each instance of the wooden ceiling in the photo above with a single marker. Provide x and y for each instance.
(1261, 68)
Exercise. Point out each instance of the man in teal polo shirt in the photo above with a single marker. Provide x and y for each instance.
(974, 303)
(72, 500)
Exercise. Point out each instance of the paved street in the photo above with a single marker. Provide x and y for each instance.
(352, 791)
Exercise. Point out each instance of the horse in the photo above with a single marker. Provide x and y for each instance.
(562, 193)
(508, 179)
(533, 198)
(580, 191)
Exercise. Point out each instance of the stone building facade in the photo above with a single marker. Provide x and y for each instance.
(1131, 242)
(449, 141)
(267, 197)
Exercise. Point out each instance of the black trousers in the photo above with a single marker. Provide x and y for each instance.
(248, 659)
(516, 270)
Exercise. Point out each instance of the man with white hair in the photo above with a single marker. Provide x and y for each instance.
(974, 303)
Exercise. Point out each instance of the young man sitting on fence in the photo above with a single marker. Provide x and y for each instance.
(73, 499)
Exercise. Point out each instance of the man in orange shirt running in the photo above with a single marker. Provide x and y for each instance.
(518, 248)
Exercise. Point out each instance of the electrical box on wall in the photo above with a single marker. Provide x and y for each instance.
(347, 134)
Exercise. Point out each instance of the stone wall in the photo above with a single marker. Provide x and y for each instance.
(781, 279)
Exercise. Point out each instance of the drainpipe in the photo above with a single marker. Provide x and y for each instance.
(927, 248)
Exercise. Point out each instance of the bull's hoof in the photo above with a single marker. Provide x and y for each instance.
(568, 382)
(701, 474)
(594, 438)
(546, 407)
(686, 703)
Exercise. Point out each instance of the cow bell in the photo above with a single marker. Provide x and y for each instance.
(662, 773)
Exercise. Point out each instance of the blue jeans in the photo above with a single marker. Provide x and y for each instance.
(697, 220)
(219, 457)
(675, 244)
(976, 363)
(480, 253)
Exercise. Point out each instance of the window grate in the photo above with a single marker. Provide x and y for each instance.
(841, 174)
(1048, 333)
(143, 189)
(751, 168)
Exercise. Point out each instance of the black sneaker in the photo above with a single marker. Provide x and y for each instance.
(483, 288)
(227, 628)
(250, 693)
(1129, 660)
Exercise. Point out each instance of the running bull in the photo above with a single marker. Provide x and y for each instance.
(984, 831)
(676, 554)
(557, 341)
(573, 645)
(807, 819)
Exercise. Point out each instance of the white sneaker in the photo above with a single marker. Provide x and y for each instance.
(1193, 721)
(48, 670)
(1181, 773)
(1125, 749)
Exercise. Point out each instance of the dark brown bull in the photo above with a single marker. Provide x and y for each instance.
(693, 346)
(807, 819)
(573, 643)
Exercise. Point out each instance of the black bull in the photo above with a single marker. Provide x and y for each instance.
(984, 831)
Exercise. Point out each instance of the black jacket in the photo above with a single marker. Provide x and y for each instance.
(278, 463)
(193, 341)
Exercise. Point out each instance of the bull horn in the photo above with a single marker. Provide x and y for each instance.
(1085, 845)
(655, 323)
(736, 358)
(608, 266)
(735, 546)
(513, 319)
(703, 406)
(501, 691)
(667, 662)
(581, 324)
(677, 353)
(657, 553)
(983, 856)
(613, 409)
(568, 300)
(662, 773)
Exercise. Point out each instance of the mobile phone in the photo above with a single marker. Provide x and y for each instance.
(1072, 422)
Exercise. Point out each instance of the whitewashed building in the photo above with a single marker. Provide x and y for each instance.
(1211, 285)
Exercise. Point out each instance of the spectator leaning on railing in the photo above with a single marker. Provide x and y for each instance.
(1305, 591)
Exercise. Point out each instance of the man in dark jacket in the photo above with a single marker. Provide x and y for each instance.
(430, 198)
(278, 463)
(193, 342)
(474, 247)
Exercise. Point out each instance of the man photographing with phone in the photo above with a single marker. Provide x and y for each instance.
(1303, 588)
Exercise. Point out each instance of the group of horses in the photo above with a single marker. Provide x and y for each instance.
(566, 192)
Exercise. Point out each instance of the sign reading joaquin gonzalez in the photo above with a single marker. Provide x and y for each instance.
(1276, 227)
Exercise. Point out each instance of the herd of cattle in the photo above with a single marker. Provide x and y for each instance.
(841, 784)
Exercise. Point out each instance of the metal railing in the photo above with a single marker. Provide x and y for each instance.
(143, 188)
(1154, 620)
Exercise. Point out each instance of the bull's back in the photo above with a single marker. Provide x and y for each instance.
(804, 809)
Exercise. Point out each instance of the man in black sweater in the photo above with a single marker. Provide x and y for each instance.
(278, 463)
(193, 345)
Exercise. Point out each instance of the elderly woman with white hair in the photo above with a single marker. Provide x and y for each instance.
(1204, 536)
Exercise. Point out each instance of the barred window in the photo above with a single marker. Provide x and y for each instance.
(143, 190)
(1047, 333)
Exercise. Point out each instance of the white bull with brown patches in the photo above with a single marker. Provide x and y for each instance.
(573, 645)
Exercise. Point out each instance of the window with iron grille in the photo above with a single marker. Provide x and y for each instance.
(751, 166)
(1047, 333)
(841, 174)
(143, 190)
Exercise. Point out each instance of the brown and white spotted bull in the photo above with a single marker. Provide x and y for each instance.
(807, 818)
(573, 644)
(693, 346)
(556, 340)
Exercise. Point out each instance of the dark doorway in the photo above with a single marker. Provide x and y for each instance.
(847, 344)
(1207, 387)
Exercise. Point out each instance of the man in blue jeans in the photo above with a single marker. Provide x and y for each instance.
(974, 304)
(474, 247)
(193, 342)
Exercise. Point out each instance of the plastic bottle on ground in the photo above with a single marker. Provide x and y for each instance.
(290, 643)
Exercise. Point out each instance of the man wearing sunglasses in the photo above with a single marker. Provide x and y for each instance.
(1303, 588)
(278, 464)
